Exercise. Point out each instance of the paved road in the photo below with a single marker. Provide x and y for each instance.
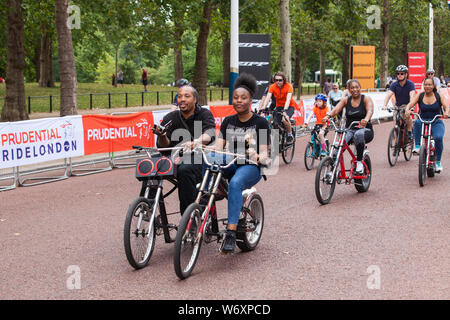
(396, 230)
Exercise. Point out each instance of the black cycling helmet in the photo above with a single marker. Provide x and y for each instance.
(182, 82)
(401, 68)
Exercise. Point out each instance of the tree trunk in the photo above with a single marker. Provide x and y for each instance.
(37, 60)
(322, 68)
(178, 52)
(66, 59)
(385, 44)
(302, 69)
(405, 49)
(116, 63)
(297, 66)
(200, 73)
(346, 64)
(46, 59)
(285, 30)
(15, 108)
(226, 61)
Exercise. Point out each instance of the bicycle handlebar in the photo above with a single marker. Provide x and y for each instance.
(205, 150)
(427, 121)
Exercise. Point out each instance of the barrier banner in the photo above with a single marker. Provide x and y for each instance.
(299, 114)
(417, 65)
(40, 140)
(104, 133)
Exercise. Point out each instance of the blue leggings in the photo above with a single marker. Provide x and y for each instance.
(437, 129)
(242, 177)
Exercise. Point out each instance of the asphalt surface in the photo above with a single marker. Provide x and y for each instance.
(397, 233)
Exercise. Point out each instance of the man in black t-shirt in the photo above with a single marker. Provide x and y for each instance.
(190, 124)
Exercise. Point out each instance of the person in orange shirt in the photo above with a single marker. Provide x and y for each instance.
(320, 110)
(283, 91)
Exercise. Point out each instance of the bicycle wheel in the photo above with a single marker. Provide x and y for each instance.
(288, 149)
(408, 149)
(362, 185)
(422, 165)
(138, 234)
(325, 181)
(250, 230)
(187, 245)
(309, 156)
(393, 149)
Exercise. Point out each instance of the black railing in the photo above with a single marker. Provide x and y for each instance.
(110, 100)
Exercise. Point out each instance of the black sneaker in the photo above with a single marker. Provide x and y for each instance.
(230, 242)
(410, 135)
(290, 138)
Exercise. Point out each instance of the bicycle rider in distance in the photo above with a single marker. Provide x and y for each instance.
(283, 91)
(358, 107)
(248, 134)
(320, 110)
(404, 91)
(430, 103)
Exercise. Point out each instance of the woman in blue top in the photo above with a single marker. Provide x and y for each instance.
(430, 103)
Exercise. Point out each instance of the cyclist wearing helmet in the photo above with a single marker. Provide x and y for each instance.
(358, 108)
(404, 91)
(282, 90)
(430, 74)
(320, 110)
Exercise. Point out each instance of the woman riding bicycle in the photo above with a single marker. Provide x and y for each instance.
(285, 103)
(246, 133)
(430, 103)
(357, 108)
(320, 110)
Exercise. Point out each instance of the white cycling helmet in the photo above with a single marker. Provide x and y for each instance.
(401, 68)
(431, 70)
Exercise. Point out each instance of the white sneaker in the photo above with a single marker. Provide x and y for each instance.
(359, 167)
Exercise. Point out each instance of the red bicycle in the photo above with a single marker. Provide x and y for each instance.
(332, 168)
(427, 154)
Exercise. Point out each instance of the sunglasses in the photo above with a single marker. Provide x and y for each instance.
(400, 74)
(430, 73)
(278, 80)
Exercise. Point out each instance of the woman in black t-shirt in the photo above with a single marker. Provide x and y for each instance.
(244, 133)
(357, 108)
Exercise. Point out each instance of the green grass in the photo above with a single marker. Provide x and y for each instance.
(40, 97)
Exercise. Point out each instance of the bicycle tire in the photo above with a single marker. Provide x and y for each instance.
(393, 149)
(362, 185)
(408, 149)
(138, 252)
(422, 165)
(285, 154)
(323, 176)
(309, 157)
(187, 239)
(250, 239)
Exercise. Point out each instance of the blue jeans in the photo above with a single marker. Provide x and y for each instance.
(242, 177)
(437, 129)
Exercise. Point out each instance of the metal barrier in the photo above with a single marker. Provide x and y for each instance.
(90, 166)
(120, 159)
(42, 179)
(6, 175)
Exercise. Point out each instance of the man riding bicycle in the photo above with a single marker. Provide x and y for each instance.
(190, 124)
(283, 91)
(404, 91)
